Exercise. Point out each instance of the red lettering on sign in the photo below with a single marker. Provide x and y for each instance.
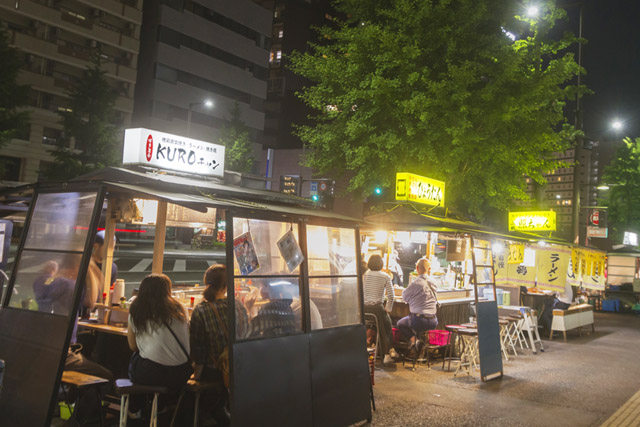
(595, 217)
(149, 147)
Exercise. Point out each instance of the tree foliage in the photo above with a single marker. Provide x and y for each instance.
(91, 121)
(438, 88)
(623, 177)
(13, 96)
(239, 148)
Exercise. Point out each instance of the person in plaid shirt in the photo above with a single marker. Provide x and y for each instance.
(209, 336)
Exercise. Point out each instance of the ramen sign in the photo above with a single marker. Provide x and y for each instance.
(419, 189)
(166, 151)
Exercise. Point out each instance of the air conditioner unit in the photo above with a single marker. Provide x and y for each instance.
(92, 43)
(29, 58)
(97, 13)
(131, 26)
(34, 23)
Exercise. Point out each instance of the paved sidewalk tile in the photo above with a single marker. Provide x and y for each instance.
(627, 415)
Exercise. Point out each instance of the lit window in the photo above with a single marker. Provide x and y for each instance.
(278, 55)
(280, 34)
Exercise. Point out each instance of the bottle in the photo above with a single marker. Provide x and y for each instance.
(123, 302)
(104, 298)
(193, 301)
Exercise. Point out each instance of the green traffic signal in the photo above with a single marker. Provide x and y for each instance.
(378, 191)
(315, 197)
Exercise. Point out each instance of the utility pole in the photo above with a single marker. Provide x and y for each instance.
(575, 223)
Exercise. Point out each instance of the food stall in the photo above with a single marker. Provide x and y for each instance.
(277, 249)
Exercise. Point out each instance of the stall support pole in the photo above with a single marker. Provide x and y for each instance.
(109, 238)
(158, 243)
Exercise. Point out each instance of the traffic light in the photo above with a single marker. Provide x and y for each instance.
(378, 191)
(315, 198)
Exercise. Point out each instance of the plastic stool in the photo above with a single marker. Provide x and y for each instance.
(125, 388)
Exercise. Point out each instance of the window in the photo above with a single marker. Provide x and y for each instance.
(333, 277)
(269, 294)
(46, 278)
(52, 137)
(10, 168)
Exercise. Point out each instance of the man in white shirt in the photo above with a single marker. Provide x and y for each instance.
(423, 304)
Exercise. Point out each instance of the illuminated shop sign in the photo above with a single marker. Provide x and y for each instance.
(165, 151)
(419, 189)
(532, 221)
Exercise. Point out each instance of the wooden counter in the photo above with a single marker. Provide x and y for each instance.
(452, 311)
(109, 329)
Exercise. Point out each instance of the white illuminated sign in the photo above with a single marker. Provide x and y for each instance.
(166, 151)
(630, 238)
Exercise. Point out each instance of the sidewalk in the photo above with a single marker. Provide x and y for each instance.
(628, 415)
(579, 383)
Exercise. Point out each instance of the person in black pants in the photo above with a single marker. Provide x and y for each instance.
(561, 302)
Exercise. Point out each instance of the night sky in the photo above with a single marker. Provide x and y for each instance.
(612, 60)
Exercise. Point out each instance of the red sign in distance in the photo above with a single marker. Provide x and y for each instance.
(595, 218)
(149, 147)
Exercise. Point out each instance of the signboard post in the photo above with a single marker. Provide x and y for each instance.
(419, 189)
(532, 221)
(166, 151)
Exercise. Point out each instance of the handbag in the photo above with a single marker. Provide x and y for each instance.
(223, 359)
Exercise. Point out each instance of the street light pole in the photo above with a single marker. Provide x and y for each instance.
(207, 103)
(575, 229)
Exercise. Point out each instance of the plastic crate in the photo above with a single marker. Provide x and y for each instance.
(611, 305)
(439, 337)
(397, 336)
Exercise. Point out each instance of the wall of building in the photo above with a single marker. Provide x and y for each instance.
(197, 51)
(57, 39)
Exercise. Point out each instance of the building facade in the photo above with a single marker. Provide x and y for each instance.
(198, 60)
(57, 39)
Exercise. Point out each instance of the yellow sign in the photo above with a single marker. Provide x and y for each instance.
(516, 253)
(419, 189)
(532, 221)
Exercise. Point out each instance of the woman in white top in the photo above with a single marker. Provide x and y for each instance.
(377, 284)
(159, 337)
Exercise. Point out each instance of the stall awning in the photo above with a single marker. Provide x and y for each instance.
(200, 202)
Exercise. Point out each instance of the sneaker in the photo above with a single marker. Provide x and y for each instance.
(387, 359)
(393, 353)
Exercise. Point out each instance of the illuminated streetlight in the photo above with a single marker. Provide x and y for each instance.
(533, 11)
(616, 125)
(602, 187)
(206, 103)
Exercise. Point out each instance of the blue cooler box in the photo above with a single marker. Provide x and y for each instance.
(611, 305)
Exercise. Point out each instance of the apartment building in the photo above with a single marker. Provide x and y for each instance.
(57, 39)
(197, 60)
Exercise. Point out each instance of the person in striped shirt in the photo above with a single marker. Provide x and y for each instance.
(376, 284)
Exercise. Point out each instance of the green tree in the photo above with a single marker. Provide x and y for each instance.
(91, 121)
(438, 88)
(239, 148)
(623, 177)
(13, 119)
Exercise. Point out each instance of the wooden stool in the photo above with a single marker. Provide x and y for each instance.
(83, 382)
(470, 352)
(124, 387)
(196, 387)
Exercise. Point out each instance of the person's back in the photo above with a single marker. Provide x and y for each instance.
(159, 336)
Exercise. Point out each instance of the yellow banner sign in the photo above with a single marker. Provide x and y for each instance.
(516, 253)
(419, 189)
(532, 221)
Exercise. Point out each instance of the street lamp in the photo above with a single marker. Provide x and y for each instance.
(617, 125)
(206, 103)
(533, 11)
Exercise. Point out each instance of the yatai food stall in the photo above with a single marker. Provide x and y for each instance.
(314, 372)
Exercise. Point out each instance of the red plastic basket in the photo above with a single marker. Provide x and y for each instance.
(439, 337)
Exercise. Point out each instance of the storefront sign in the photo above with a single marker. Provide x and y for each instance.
(630, 238)
(419, 189)
(166, 151)
(532, 221)
(290, 184)
(597, 232)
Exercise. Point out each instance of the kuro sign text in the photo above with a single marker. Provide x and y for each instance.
(166, 151)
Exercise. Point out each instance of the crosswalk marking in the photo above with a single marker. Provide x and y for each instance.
(142, 265)
(180, 265)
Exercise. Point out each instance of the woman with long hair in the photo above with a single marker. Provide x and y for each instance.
(159, 336)
(210, 335)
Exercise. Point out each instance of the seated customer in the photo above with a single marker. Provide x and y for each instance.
(562, 301)
(423, 303)
(376, 284)
(210, 336)
(276, 317)
(159, 336)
